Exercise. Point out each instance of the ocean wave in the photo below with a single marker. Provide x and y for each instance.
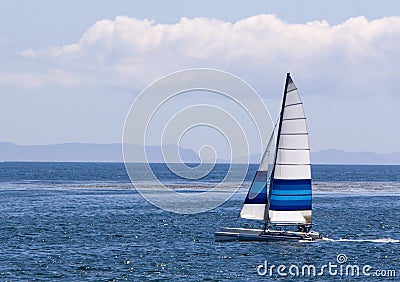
(356, 187)
(319, 188)
(378, 240)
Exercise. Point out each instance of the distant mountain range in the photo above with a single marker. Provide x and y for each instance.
(83, 152)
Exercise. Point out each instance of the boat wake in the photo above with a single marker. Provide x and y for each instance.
(380, 240)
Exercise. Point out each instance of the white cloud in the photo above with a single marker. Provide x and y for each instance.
(37, 80)
(29, 53)
(129, 52)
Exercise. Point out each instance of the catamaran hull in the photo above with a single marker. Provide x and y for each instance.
(243, 234)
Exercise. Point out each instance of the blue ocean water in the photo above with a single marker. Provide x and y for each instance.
(85, 221)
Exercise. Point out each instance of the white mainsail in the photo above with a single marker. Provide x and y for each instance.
(290, 195)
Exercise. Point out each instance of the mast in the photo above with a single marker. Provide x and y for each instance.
(266, 213)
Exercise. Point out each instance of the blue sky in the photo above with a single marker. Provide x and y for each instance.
(64, 78)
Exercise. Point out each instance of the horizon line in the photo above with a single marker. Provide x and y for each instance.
(121, 143)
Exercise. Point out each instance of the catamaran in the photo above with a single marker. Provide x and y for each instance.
(281, 192)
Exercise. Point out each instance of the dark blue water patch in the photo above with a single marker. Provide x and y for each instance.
(62, 171)
(217, 173)
(59, 172)
(356, 173)
(67, 233)
(187, 191)
(115, 235)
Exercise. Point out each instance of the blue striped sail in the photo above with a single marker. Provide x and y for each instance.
(256, 199)
(290, 195)
(255, 204)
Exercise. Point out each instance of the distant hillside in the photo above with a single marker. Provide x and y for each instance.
(83, 152)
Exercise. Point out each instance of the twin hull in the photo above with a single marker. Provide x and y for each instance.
(243, 234)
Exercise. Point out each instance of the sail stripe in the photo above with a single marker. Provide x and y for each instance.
(293, 206)
(291, 195)
(290, 198)
(257, 198)
(261, 176)
(291, 192)
(292, 184)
